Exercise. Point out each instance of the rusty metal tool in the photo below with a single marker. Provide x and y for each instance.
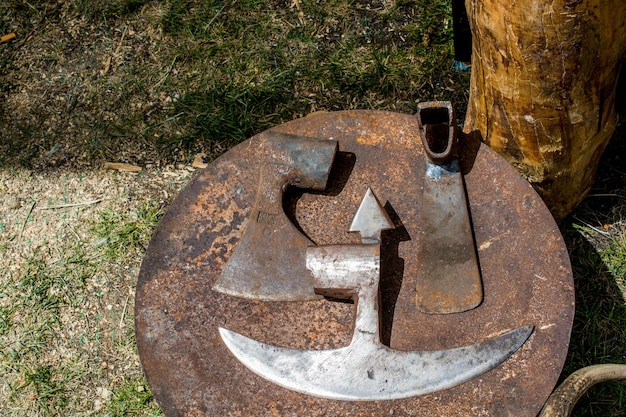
(525, 269)
(268, 263)
(448, 278)
(366, 369)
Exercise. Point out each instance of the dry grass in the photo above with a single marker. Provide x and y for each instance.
(71, 246)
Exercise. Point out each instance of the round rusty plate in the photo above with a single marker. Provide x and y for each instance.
(526, 274)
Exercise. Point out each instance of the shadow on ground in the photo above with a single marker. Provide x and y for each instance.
(598, 334)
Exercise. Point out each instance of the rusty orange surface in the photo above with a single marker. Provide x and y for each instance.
(527, 280)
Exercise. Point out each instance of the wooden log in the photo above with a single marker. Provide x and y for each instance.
(542, 89)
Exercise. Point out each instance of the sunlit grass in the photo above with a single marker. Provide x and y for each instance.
(598, 255)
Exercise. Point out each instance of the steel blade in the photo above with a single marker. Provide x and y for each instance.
(363, 372)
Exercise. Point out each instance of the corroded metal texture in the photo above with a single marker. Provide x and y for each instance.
(524, 263)
(257, 271)
(438, 131)
(448, 279)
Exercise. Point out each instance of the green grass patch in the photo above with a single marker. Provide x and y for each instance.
(201, 75)
(133, 398)
(224, 116)
(33, 311)
(50, 393)
(66, 317)
(124, 235)
(614, 258)
(598, 336)
(254, 65)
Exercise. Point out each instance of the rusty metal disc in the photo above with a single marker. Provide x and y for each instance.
(527, 280)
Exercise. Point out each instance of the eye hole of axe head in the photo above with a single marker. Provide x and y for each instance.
(437, 127)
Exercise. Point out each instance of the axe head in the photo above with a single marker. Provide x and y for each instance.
(269, 261)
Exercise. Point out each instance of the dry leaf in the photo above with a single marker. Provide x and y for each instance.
(7, 38)
(122, 167)
(198, 161)
(317, 112)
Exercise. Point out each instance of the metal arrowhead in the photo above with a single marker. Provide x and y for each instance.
(370, 219)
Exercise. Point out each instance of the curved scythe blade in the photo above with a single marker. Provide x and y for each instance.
(365, 371)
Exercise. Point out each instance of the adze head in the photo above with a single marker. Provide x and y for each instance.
(268, 263)
(366, 369)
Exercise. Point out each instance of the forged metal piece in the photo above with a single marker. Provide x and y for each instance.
(370, 219)
(564, 398)
(268, 263)
(448, 280)
(525, 271)
(366, 369)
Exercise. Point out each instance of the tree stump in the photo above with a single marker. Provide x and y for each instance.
(542, 89)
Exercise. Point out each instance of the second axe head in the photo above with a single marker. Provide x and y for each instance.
(269, 262)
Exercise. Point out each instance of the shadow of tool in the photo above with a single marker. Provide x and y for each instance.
(469, 144)
(337, 179)
(391, 271)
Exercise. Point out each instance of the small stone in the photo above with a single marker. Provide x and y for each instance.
(200, 161)
(13, 202)
(141, 388)
(103, 392)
